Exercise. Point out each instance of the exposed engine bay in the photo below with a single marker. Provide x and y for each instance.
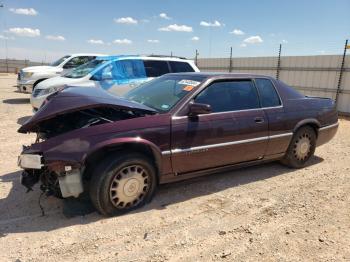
(82, 119)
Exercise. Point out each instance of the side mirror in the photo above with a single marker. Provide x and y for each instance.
(106, 76)
(195, 109)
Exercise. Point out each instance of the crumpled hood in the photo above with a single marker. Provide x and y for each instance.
(79, 98)
(40, 69)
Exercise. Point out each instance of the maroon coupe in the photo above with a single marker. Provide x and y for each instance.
(119, 149)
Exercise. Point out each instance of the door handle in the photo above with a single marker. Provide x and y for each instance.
(259, 120)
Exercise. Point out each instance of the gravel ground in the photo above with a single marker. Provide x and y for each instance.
(260, 213)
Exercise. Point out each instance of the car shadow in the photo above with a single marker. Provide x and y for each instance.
(17, 101)
(18, 207)
(23, 119)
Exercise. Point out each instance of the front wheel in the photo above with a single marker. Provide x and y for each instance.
(301, 148)
(122, 183)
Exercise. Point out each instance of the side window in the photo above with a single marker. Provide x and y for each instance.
(267, 92)
(129, 69)
(178, 67)
(156, 68)
(104, 73)
(77, 61)
(230, 96)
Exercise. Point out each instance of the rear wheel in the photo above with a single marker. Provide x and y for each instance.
(301, 148)
(122, 183)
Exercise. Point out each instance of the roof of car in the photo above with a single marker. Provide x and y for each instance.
(143, 57)
(221, 75)
(87, 54)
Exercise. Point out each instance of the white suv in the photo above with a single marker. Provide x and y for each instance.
(29, 77)
(115, 74)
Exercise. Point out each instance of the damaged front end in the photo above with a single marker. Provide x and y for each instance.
(65, 126)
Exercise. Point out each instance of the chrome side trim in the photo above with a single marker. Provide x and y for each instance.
(166, 152)
(281, 135)
(206, 147)
(330, 126)
(234, 111)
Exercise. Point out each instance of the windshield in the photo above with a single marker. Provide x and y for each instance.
(59, 61)
(165, 92)
(84, 69)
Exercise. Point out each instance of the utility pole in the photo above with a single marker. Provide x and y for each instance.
(196, 58)
(279, 63)
(230, 69)
(5, 40)
(341, 72)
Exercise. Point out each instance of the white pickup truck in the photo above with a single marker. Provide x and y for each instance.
(29, 77)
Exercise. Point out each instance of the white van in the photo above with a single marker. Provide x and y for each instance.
(29, 77)
(116, 74)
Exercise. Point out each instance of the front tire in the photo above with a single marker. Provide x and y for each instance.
(122, 183)
(301, 148)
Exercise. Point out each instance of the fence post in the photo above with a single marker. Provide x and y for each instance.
(230, 69)
(279, 63)
(196, 58)
(341, 73)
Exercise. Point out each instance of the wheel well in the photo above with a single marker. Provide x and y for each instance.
(93, 159)
(37, 82)
(314, 126)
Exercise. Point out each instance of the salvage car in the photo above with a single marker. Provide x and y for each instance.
(175, 127)
(29, 77)
(116, 74)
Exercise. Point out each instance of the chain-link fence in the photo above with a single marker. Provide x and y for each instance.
(318, 75)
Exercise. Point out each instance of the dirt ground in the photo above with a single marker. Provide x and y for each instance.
(262, 213)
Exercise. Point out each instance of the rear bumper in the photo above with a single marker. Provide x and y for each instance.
(326, 133)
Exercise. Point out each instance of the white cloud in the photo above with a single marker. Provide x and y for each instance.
(253, 40)
(237, 32)
(284, 41)
(243, 45)
(195, 38)
(177, 28)
(95, 41)
(25, 31)
(122, 41)
(6, 37)
(55, 37)
(208, 24)
(164, 16)
(126, 20)
(153, 41)
(24, 11)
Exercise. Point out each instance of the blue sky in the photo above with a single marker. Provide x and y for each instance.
(44, 30)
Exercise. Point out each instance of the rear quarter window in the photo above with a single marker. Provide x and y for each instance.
(267, 92)
(156, 68)
(178, 67)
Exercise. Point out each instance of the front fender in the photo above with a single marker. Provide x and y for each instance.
(125, 141)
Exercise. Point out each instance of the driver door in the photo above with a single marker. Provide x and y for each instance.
(236, 130)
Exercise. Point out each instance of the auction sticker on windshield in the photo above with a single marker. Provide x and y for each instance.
(189, 82)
